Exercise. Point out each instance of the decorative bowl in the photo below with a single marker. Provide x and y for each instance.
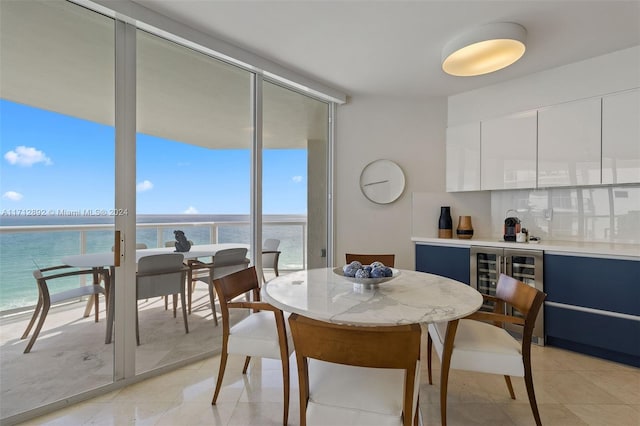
(367, 281)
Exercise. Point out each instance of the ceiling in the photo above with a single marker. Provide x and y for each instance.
(393, 48)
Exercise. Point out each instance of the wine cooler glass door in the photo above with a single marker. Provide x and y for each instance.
(485, 271)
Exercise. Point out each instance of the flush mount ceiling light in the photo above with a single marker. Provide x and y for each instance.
(485, 49)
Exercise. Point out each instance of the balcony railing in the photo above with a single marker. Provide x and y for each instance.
(25, 248)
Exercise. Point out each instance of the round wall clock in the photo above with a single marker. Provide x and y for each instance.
(382, 181)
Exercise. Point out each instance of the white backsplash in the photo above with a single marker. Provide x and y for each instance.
(425, 212)
(595, 214)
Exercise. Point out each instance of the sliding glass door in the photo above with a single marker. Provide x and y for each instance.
(57, 186)
(294, 178)
(193, 168)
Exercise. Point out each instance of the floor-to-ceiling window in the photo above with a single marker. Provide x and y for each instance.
(57, 189)
(193, 167)
(294, 169)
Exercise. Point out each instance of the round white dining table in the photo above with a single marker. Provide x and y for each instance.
(410, 297)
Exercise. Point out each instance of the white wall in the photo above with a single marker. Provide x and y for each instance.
(409, 132)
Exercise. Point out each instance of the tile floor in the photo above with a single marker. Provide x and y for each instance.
(572, 389)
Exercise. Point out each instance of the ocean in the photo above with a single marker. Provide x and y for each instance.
(23, 252)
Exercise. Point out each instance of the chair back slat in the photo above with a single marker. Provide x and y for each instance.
(233, 285)
(516, 293)
(228, 261)
(160, 275)
(375, 347)
(367, 259)
(270, 244)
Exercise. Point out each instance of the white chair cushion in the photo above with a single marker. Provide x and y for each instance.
(354, 395)
(482, 347)
(257, 336)
(322, 415)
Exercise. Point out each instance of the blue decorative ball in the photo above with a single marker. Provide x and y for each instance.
(377, 264)
(388, 272)
(377, 272)
(362, 273)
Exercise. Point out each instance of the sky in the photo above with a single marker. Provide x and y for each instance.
(53, 162)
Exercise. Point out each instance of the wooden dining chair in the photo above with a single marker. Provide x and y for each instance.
(486, 347)
(367, 259)
(356, 375)
(47, 296)
(161, 275)
(261, 334)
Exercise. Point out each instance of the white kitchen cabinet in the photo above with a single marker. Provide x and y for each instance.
(508, 151)
(569, 142)
(621, 137)
(463, 158)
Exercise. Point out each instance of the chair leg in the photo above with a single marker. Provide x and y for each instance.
(246, 365)
(212, 300)
(175, 304)
(33, 319)
(510, 387)
(137, 328)
(223, 365)
(96, 302)
(190, 288)
(184, 312)
(89, 306)
(429, 350)
(285, 383)
(447, 351)
(45, 310)
(528, 380)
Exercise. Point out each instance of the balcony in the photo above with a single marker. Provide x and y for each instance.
(70, 356)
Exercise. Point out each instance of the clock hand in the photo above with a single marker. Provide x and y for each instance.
(375, 183)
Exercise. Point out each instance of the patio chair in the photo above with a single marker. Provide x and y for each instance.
(225, 262)
(270, 256)
(161, 275)
(46, 297)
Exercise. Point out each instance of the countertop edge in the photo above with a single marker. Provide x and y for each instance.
(595, 249)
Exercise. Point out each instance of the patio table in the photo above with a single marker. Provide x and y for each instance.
(106, 260)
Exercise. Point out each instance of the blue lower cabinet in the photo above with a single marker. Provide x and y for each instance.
(450, 262)
(602, 284)
(612, 338)
(606, 284)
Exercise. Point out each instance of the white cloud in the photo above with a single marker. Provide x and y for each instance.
(191, 210)
(12, 195)
(297, 179)
(26, 156)
(145, 185)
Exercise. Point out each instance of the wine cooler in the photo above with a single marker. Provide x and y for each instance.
(487, 263)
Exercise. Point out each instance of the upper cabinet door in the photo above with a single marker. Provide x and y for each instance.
(463, 158)
(509, 149)
(621, 138)
(569, 144)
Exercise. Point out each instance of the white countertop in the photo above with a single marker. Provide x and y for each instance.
(580, 248)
